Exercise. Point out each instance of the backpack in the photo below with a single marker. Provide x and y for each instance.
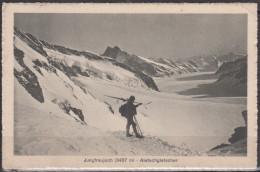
(123, 110)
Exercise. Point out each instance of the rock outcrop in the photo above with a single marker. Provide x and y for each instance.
(76, 113)
(238, 142)
(26, 77)
(236, 70)
(78, 69)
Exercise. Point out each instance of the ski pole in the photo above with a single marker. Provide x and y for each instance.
(140, 130)
(138, 126)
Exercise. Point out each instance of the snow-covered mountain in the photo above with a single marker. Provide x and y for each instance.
(46, 75)
(61, 107)
(55, 115)
(205, 63)
(178, 66)
(213, 62)
(150, 66)
(73, 62)
(230, 80)
(159, 67)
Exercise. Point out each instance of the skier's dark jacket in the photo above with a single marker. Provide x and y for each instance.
(130, 110)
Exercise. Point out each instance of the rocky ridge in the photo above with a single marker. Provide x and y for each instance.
(238, 142)
(73, 70)
(160, 67)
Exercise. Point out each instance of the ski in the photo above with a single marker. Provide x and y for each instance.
(125, 100)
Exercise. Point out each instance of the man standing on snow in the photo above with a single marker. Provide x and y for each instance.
(130, 112)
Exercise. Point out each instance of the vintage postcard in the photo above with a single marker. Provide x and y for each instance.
(129, 86)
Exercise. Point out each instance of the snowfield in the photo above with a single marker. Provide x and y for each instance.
(76, 117)
(198, 123)
(189, 125)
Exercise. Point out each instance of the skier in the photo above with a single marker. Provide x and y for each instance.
(130, 112)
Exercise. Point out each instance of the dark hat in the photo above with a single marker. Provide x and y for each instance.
(132, 98)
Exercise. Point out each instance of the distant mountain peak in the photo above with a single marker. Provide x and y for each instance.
(75, 63)
(112, 52)
(117, 48)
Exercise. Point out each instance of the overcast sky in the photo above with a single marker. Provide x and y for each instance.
(148, 35)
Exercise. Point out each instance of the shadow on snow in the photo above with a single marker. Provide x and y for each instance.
(216, 90)
(199, 77)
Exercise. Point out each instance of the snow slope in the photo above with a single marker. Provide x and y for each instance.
(74, 62)
(56, 115)
(200, 124)
(63, 110)
(43, 129)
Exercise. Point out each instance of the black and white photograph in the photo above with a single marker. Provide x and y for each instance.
(130, 84)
